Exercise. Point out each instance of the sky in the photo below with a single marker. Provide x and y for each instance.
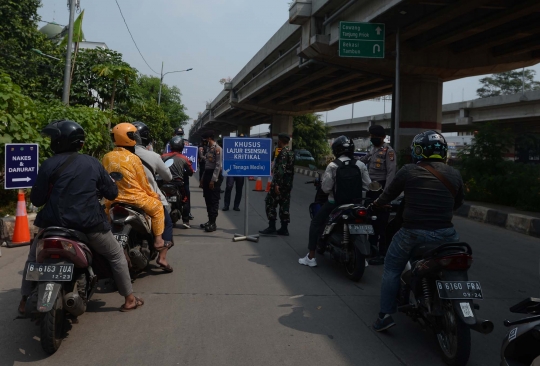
(214, 37)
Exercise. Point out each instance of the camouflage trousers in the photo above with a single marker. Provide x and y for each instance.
(283, 200)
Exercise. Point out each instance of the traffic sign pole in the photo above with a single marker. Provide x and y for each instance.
(246, 236)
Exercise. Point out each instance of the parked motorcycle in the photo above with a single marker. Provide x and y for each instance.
(346, 234)
(436, 292)
(521, 346)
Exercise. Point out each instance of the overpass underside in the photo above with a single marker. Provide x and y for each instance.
(299, 71)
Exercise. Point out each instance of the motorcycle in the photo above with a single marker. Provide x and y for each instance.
(521, 346)
(347, 231)
(66, 273)
(436, 292)
(173, 195)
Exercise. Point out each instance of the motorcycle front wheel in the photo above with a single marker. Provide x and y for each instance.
(52, 327)
(454, 337)
(356, 265)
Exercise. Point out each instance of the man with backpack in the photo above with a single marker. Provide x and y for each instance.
(343, 181)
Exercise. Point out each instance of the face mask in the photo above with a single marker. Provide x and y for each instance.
(376, 141)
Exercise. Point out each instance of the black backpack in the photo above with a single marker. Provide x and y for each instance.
(348, 184)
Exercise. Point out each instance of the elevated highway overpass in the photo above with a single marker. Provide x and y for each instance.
(299, 70)
(519, 112)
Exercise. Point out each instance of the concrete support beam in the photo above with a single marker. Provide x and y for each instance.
(281, 124)
(421, 107)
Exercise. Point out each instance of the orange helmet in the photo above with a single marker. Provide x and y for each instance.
(123, 134)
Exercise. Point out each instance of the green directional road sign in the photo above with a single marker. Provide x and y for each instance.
(363, 40)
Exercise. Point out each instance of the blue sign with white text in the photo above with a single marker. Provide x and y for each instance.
(192, 153)
(21, 165)
(245, 157)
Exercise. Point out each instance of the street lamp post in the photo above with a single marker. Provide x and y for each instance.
(67, 71)
(161, 80)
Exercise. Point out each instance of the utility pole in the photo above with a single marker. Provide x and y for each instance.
(160, 83)
(397, 100)
(67, 70)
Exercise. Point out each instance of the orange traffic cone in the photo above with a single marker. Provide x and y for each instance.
(258, 185)
(21, 234)
(268, 184)
(251, 178)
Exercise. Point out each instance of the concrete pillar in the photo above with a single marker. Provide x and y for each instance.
(421, 108)
(281, 124)
(243, 129)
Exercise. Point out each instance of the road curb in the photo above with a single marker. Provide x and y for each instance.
(527, 225)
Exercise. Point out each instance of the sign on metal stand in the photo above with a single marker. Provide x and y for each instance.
(21, 165)
(245, 157)
(192, 153)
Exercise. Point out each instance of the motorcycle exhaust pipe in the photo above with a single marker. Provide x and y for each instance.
(483, 326)
(74, 304)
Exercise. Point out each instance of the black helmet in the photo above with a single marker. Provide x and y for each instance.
(429, 145)
(179, 131)
(342, 146)
(144, 132)
(177, 144)
(65, 136)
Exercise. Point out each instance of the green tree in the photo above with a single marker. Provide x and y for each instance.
(311, 133)
(505, 83)
(19, 35)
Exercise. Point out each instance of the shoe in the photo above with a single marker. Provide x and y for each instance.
(205, 225)
(222, 191)
(191, 217)
(210, 228)
(236, 209)
(283, 230)
(226, 208)
(381, 325)
(22, 306)
(271, 229)
(377, 261)
(186, 225)
(308, 262)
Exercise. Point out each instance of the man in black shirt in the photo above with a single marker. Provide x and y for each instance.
(71, 201)
(427, 216)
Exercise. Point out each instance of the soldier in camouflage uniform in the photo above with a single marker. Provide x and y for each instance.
(280, 188)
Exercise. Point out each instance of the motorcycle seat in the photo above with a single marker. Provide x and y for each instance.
(131, 207)
(434, 249)
(65, 233)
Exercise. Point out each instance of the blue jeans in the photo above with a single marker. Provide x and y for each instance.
(398, 256)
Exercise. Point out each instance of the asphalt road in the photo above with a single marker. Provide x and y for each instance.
(252, 304)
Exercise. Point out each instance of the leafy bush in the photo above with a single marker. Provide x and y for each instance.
(488, 177)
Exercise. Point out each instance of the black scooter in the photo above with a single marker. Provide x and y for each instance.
(346, 234)
(521, 346)
(436, 292)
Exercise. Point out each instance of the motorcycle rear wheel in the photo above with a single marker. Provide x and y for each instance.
(455, 337)
(52, 327)
(356, 265)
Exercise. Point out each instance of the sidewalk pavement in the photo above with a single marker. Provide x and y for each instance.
(524, 222)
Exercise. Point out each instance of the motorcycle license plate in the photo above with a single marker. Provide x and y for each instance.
(49, 272)
(459, 290)
(172, 199)
(360, 229)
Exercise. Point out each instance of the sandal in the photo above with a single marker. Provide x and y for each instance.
(167, 268)
(138, 303)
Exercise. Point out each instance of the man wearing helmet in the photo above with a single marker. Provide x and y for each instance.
(178, 131)
(134, 188)
(67, 186)
(153, 165)
(181, 171)
(433, 190)
(343, 150)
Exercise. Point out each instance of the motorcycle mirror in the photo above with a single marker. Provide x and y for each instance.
(312, 167)
(375, 186)
(169, 163)
(116, 176)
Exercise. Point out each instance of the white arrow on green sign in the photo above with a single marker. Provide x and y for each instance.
(363, 40)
